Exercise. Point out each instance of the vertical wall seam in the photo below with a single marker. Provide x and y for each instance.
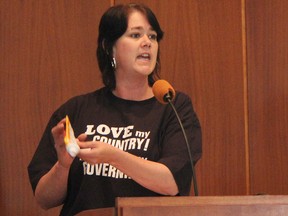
(112, 3)
(245, 95)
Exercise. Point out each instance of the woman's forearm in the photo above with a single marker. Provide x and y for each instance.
(152, 175)
(52, 188)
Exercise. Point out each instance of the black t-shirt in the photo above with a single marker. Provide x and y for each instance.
(145, 128)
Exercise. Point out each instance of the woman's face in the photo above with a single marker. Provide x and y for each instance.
(136, 50)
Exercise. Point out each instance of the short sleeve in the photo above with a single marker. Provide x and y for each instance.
(174, 148)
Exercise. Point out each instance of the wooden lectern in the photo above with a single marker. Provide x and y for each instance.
(262, 205)
(204, 206)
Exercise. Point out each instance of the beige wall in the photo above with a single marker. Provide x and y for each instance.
(230, 56)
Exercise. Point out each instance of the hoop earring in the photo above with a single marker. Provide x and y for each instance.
(113, 63)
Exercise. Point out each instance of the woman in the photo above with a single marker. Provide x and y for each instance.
(131, 145)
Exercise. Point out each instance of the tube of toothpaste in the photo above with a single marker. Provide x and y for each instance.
(70, 141)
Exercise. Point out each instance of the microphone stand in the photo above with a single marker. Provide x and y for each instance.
(168, 98)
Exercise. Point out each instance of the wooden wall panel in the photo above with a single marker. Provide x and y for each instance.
(201, 54)
(45, 45)
(217, 89)
(267, 40)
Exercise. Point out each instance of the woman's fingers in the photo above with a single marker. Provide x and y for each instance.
(88, 144)
(95, 151)
(58, 131)
(82, 137)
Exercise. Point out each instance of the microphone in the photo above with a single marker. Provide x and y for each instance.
(165, 93)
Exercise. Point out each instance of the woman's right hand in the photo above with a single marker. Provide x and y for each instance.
(58, 133)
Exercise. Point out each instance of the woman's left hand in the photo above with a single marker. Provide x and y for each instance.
(94, 152)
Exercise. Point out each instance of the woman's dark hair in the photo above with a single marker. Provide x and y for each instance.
(113, 25)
